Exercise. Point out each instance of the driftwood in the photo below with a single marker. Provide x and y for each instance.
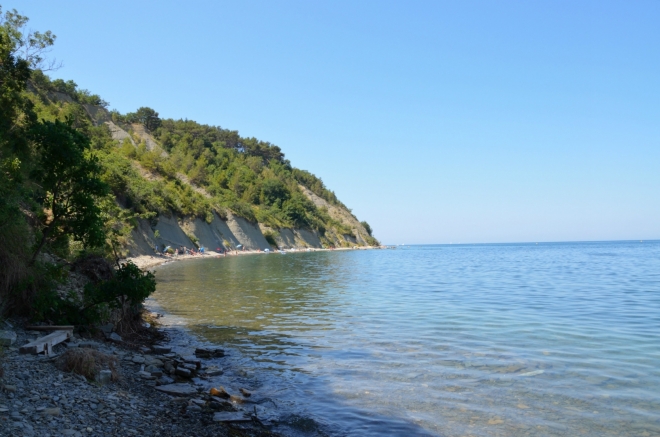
(45, 344)
(50, 328)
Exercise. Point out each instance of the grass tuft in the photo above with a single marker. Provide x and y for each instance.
(88, 363)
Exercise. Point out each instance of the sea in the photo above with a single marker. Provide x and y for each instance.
(547, 339)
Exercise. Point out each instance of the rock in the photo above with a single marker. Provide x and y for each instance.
(226, 416)
(104, 377)
(193, 361)
(51, 412)
(162, 349)
(177, 389)
(10, 388)
(150, 361)
(198, 401)
(246, 393)
(213, 371)
(164, 380)
(4, 410)
(193, 368)
(107, 329)
(7, 338)
(145, 375)
(115, 337)
(138, 359)
(181, 371)
(194, 408)
(169, 368)
(209, 353)
(219, 392)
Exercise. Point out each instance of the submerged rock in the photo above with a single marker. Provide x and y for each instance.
(209, 353)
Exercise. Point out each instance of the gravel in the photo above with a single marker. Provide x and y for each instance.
(38, 399)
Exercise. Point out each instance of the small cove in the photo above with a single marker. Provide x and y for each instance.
(519, 339)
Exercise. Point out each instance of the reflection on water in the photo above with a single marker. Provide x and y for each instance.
(548, 339)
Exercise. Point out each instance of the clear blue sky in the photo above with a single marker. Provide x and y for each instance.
(437, 122)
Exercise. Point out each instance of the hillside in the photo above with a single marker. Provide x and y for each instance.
(191, 184)
(82, 187)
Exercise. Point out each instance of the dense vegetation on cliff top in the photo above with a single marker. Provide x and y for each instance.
(68, 189)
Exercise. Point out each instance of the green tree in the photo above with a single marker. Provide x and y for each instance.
(367, 228)
(70, 185)
(29, 46)
(146, 117)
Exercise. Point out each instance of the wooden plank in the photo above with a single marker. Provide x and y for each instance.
(45, 344)
(50, 328)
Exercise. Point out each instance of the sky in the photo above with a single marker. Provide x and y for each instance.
(435, 121)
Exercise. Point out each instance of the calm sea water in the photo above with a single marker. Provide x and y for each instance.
(482, 340)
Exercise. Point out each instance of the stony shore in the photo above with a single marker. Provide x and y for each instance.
(153, 395)
(150, 261)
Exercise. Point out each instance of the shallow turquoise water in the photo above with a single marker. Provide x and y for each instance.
(515, 339)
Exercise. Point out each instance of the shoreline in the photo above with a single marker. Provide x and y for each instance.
(39, 398)
(151, 261)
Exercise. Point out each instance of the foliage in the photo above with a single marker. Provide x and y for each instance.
(30, 46)
(367, 228)
(69, 183)
(145, 116)
(129, 287)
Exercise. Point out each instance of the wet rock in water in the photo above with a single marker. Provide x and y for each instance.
(162, 349)
(182, 371)
(213, 371)
(209, 352)
(177, 389)
(219, 392)
(226, 416)
(192, 361)
(7, 338)
(193, 368)
(246, 393)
